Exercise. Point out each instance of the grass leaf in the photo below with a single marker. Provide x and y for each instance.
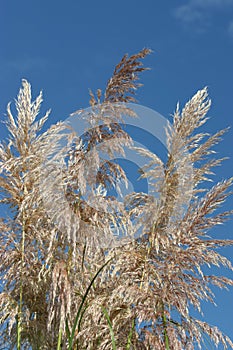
(71, 339)
(105, 312)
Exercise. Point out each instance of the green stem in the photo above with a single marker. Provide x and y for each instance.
(59, 340)
(79, 313)
(165, 332)
(130, 336)
(105, 312)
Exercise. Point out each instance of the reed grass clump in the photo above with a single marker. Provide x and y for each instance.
(60, 287)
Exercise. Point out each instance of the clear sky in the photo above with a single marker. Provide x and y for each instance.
(67, 47)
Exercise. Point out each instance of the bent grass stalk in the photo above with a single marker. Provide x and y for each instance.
(77, 320)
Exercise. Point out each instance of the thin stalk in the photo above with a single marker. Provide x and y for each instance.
(143, 272)
(130, 336)
(59, 340)
(67, 329)
(147, 255)
(19, 323)
(81, 317)
(77, 318)
(83, 256)
(166, 339)
(105, 312)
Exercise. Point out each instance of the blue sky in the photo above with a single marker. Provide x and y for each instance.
(67, 47)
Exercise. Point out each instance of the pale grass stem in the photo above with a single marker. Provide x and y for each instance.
(20, 315)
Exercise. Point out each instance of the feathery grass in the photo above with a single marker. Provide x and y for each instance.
(50, 244)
